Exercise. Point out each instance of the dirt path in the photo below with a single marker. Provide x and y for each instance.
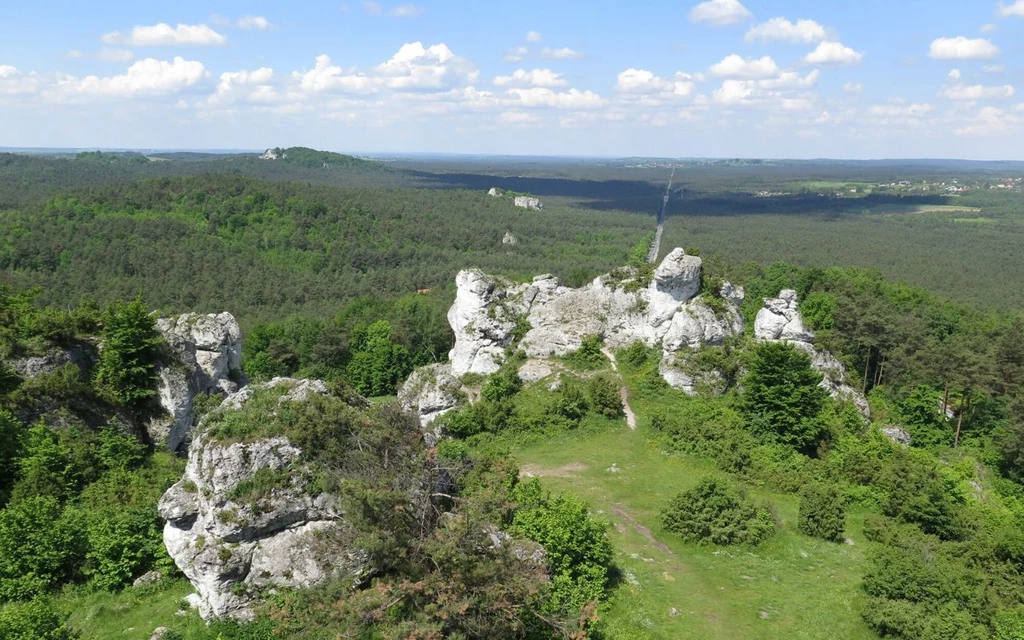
(623, 391)
(618, 512)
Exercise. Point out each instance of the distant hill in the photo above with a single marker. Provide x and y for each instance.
(314, 159)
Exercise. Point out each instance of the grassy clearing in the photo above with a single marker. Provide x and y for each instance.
(911, 209)
(791, 587)
(133, 613)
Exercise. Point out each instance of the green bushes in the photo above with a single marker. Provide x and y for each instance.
(578, 551)
(37, 619)
(378, 363)
(781, 397)
(589, 355)
(41, 546)
(126, 371)
(603, 396)
(822, 514)
(713, 513)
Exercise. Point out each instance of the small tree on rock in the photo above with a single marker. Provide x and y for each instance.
(126, 372)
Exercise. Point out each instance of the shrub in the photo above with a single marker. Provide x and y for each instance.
(41, 546)
(822, 514)
(126, 371)
(378, 362)
(579, 553)
(713, 513)
(123, 544)
(635, 355)
(571, 403)
(10, 449)
(603, 394)
(502, 385)
(703, 427)
(47, 466)
(589, 355)
(38, 619)
(781, 396)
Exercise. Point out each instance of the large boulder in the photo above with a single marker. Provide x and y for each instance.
(483, 318)
(35, 366)
(676, 280)
(241, 519)
(204, 355)
(430, 392)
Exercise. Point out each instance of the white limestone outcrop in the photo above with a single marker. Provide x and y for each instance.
(232, 536)
(430, 392)
(204, 356)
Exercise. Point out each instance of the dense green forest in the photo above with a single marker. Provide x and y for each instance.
(344, 273)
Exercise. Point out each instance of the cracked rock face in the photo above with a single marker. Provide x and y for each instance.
(780, 321)
(664, 312)
(430, 392)
(205, 354)
(232, 536)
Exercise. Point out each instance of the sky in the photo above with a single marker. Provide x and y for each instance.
(718, 78)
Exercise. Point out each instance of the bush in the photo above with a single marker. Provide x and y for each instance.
(589, 355)
(713, 513)
(781, 396)
(822, 514)
(10, 449)
(579, 553)
(635, 355)
(603, 394)
(38, 619)
(41, 547)
(703, 427)
(126, 371)
(378, 362)
(571, 403)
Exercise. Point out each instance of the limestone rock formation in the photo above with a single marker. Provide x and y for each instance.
(526, 202)
(430, 392)
(493, 192)
(490, 313)
(897, 434)
(780, 321)
(32, 367)
(204, 356)
(231, 536)
(509, 239)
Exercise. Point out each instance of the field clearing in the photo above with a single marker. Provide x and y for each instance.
(790, 587)
(916, 209)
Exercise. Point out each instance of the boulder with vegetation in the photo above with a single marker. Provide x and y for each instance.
(203, 356)
(430, 392)
(243, 518)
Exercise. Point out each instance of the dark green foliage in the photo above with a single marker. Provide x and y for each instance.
(603, 396)
(571, 402)
(781, 397)
(42, 545)
(378, 364)
(822, 514)
(10, 449)
(920, 495)
(502, 385)
(635, 355)
(38, 619)
(579, 553)
(713, 513)
(48, 466)
(589, 355)
(131, 348)
(707, 428)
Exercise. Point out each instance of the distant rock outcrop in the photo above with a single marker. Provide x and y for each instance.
(204, 356)
(32, 367)
(509, 239)
(526, 202)
(430, 392)
(241, 518)
(493, 192)
(780, 321)
(551, 320)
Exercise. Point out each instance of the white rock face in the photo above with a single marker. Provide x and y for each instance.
(509, 239)
(493, 192)
(229, 544)
(526, 202)
(665, 314)
(430, 392)
(207, 358)
(780, 321)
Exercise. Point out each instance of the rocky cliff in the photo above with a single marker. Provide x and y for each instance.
(204, 355)
(242, 520)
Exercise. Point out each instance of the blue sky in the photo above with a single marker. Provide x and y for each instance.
(737, 78)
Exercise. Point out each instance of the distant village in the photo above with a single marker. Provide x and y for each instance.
(952, 186)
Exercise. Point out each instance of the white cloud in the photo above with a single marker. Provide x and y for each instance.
(791, 80)
(993, 68)
(72, 53)
(563, 53)
(13, 82)
(976, 92)
(782, 30)
(954, 74)
(148, 77)
(233, 84)
(961, 48)
(853, 88)
(571, 99)
(413, 68)
(406, 11)
(989, 28)
(901, 110)
(734, 66)
(516, 54)
(833, 53)
(372, 8)
(643, 82)
(251, 23)
(534, 37)
(518, 117)
(733, 92)
(164, 34)
(720, 13)
(1015, 10)
(535, 78)
(107, 54)
(989, 121)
